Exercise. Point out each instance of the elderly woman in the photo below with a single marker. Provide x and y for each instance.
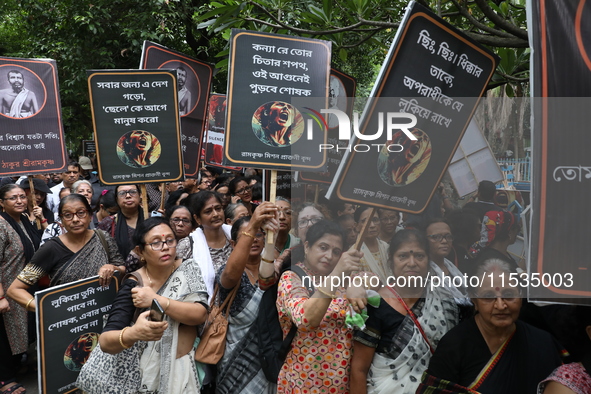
(167, 357)
(182, 224)
(321, 349)
(234, 211)
(74, 255)
(307, 215)
(18, 242)
(393, 350)
(493, 352)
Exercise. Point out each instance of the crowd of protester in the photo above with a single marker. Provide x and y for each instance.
(212, 239)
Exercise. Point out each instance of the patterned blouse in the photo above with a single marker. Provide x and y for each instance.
(573, 375)
(319, 361)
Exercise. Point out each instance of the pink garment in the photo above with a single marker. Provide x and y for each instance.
(573, 375)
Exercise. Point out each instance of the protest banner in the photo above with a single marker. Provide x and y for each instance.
(263, 127)
(561, 181)
(88, 147)
(32, 138)
(428, 89)
(70, 319)
(193, 84)
(214, 132)
(136, 125)
(341, 96)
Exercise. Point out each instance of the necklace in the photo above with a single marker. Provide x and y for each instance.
(150, 279)
(250, 274)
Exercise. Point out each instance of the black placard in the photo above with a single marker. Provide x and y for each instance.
(88, 147)
(70, 319)
(435, 73)
(341, 95)
(214, 133)
(263, 128)
(136, 125)
(192, 95)
(31, 131)
(561, 167)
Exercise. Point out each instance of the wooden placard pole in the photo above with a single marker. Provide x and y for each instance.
(272, 197)
(144, 200)
(162, 195)
(33, 200)
(366, 225)
(316, 192)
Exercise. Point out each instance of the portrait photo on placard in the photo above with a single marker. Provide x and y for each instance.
(402, 161)
(79, 350)
(138, 149)
(277, 123)
(337, 99)
(187, 82)
(22, 92)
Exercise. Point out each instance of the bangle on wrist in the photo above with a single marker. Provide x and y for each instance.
(167, 304)
(121, 339)
(248, 234)
(44, 221)
(29, 303)
(267, 261)
(3, 297)
(326, 293)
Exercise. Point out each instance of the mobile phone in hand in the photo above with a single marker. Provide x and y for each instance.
(156, 311)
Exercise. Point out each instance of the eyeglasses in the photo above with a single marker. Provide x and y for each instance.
(508, 296)
(123, 193)
(286, 212)
(260, 235)
(14, 198)
(308, 222)
(244, 190)
(186, 222)
(440, 237)
(158, 245)
(70, 215)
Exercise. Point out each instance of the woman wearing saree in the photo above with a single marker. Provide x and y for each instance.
(375, 251)
(493, 352)
(18, 242)
(393, 350)
(75, 255)
(321, 349)
(166, 363)
(240, 370)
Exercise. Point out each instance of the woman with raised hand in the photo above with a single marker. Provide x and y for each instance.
(167, 360)
(375, 251)
(322, 347)
(240, 371)
(18, 242)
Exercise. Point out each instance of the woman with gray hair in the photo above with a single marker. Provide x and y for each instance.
(83, 187)
(493, 352)
(234, 212)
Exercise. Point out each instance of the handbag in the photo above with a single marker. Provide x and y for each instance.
(105, 373)
(212, 343)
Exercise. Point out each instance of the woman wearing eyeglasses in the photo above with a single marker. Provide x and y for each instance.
(375, 251)
(493, 352)
(440, 243)
(241, 191)
(166, 361)
(18, 242)
(122, 225)
(75, 255)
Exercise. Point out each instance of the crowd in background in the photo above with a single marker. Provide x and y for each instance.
(212, 239)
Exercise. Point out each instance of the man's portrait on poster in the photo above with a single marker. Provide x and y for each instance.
(337, 99)
(21, 94)
(187, 82)
(277, 123)
(138, 149)
(404, 167)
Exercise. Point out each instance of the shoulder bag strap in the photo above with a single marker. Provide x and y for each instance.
(136, 275)
(103, 240)
(413, 317)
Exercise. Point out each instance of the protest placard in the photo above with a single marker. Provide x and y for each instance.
(32, 137)
(193, 86)
(70, 319)
(423, 100)
(341, 95)
(214, 132)
(561, 165)
(263, 128)
(136, 125)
